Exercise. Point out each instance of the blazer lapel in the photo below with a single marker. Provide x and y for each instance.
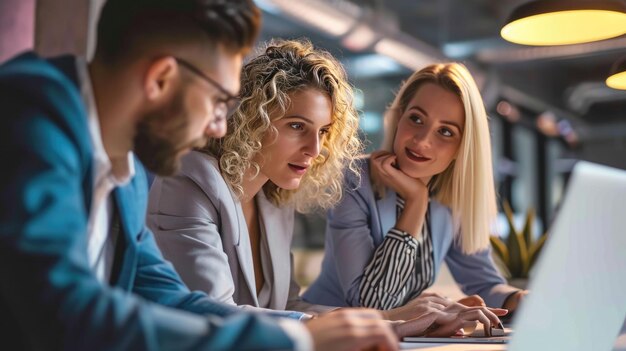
(385, 206)
(244, 250)
(386, 213)
(128, 225)
(441, 231)
(277, 226)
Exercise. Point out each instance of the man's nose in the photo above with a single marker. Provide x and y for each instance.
(216, 128)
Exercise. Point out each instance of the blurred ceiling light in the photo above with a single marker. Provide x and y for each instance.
(359, 30)
(404, 54)
(562, 22)
(267, 6)
(372, 65)
(335, 19)
(508, 111)
(360, 38)
(547, 124)
(568, 132)
(617, 79)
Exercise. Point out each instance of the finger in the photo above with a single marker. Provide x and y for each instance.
(378, 164)
(473, 300)
(479, 316)
(492, 316)
(488, 313)
(440, 300)
(456, 307)
(386, 164)
(469, 326)
(499, 311)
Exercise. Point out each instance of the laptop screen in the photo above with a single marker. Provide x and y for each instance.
(577, 297)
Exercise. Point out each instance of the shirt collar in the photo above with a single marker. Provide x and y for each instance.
(118, 171)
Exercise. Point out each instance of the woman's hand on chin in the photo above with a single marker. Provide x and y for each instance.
(384, 170)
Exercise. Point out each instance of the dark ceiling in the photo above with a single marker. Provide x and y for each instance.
(568, 80)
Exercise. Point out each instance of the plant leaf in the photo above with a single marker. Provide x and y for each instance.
(499, 248)
(528, 226)
(522, 253)
(504, 269)
(535, 250)
(516, 245)
(528, 238)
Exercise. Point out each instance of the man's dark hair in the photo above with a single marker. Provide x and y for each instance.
(126, 27)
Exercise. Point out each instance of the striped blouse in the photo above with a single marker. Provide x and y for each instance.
(402, 267)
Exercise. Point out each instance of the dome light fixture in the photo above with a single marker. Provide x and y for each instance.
(617, 79)
(563, 22)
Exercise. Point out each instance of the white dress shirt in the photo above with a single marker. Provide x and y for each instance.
(101, 240)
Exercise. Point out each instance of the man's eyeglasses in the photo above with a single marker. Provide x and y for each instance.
(224, 107)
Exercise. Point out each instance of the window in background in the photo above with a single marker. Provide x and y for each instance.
(524, 192)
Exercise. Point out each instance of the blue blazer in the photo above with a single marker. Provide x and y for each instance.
(358, 225)
(49, 298)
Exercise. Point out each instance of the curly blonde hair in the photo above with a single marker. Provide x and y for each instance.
(467, 185)
(267, 81)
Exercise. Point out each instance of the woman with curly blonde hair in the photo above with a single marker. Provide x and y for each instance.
(271, 81)
(226, 221)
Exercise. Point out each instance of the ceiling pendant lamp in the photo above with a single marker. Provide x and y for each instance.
(562, 22)
(617, 79)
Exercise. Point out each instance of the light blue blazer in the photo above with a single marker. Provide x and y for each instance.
(358, 225)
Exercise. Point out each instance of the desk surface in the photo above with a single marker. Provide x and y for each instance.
(620, 345)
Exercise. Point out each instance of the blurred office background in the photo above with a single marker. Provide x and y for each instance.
(548, 106)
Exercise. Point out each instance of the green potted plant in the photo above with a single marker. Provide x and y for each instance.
(516, 255)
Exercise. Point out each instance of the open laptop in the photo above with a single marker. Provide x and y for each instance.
(578, 287)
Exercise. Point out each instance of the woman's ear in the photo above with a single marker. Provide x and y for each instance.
(160, 77)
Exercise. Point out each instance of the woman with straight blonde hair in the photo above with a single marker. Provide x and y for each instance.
(426, 196)
(226, 221)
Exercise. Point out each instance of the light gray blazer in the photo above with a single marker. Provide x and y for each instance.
(358, 225)
(200, 227)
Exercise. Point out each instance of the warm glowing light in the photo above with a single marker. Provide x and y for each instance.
(617, 81)
(565, 22)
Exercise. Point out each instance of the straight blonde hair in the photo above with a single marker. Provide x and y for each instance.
(467, 185)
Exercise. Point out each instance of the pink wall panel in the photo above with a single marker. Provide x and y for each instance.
(17, 27)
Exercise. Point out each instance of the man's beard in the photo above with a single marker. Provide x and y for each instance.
(160, 138)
